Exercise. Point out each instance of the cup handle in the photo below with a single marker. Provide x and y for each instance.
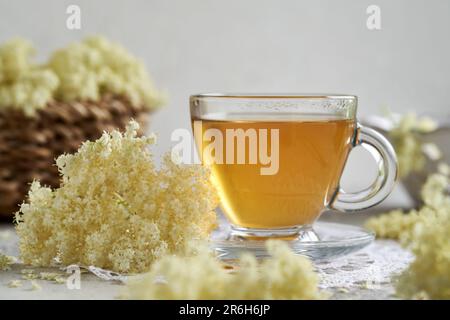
(383, 153)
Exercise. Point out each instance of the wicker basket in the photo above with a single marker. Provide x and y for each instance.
(29, 146)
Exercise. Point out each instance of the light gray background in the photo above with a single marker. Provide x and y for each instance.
(264, 45)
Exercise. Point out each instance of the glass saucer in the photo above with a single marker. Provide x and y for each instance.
(334, 240)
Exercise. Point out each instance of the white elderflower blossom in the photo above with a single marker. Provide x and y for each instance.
(35, 286)
(6, 261)
(398, 224)
(429, 274)
(115, 209)
(23, 85)
(81, 71)
(15, 284)
(95, 65)
(425, 232)
(201, 276)
(406, 137)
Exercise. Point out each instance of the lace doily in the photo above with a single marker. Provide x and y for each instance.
(371, 267)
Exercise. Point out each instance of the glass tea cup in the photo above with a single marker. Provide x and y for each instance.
(277, 160)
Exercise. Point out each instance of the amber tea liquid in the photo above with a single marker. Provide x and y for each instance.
(312, 155)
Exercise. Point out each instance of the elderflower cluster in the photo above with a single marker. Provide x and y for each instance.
(80, 71)
(24, 85)
(406, 138)
(394, 224)
(425, 232)
(94, 66)
(201, 276)
(429, 274)
(114, 208)
(400, 225)
(6, 261)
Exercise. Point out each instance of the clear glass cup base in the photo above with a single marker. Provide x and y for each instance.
(321, 242)
(301, 233)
